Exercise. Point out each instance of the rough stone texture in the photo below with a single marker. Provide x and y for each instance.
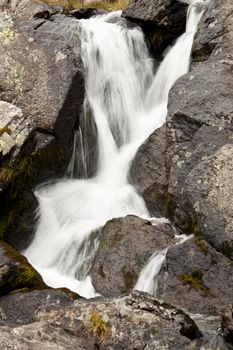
(126, 244)
(227, 325)
(41, 75)
(137, 321)
(15, 272)
(200, 135)
(15, 129)
(194, 151)
(20, 308)
(149, 173)
(162, 21)
(40, 72)
(198, 279)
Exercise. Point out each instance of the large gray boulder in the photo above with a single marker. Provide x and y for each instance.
(136, 321)
(125, 246)
(198, 279)
(162, 21)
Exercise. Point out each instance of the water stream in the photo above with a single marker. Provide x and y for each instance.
(124, 103)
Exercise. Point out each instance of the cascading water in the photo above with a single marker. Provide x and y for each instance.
(127, 104)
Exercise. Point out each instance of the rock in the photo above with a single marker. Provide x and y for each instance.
(132, 322)
(200, 139)
(192, 153)
(227, 325)
(215, 32)
(15, 129)
(162, 21)
(198, 279)
(125, 246)
(85, 13)
(43, 83)
(149, 173)
(15, 272)
(20, 308)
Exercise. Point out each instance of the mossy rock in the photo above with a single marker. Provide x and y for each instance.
(16, 273)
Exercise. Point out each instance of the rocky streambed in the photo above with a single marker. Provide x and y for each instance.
(183, 170)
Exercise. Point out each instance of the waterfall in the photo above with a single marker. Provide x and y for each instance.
(127, 103)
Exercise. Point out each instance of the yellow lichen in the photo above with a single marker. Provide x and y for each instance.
(99, 327)
(7, 35)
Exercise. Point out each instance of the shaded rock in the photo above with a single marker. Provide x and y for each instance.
(20, 308)
(162, 21)
(132, 322)
(86, 13)
(149, 173)
(125, 246)
(198, 279)
(15, 272)
(227, 325)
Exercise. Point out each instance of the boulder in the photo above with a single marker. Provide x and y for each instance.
(198, 279)
(227, 325)
(148, 171)
(41, 94)
(16, 273)
(162, 21)
(125, 246)
(191, 155)
(199, 137)
(135, 321)
(21, 308)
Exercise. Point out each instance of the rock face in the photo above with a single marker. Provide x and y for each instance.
(126, 244)
(15, 272)
(198, 279)
(162, 21)
(132, 322)
(42, 81)
(200, 135)
(149, 173)
(192, 181)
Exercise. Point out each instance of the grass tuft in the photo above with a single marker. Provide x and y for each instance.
(99, 327)
(108, 5)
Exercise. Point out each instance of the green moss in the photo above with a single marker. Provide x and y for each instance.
(201, 244)
(195, 281)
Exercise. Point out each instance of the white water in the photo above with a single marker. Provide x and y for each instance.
(128, 103)
(149, 277)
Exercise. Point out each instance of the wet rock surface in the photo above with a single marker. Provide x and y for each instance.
(126, 244)
(198, 279)
(102, 324)
(161, 21)
(15, 272)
